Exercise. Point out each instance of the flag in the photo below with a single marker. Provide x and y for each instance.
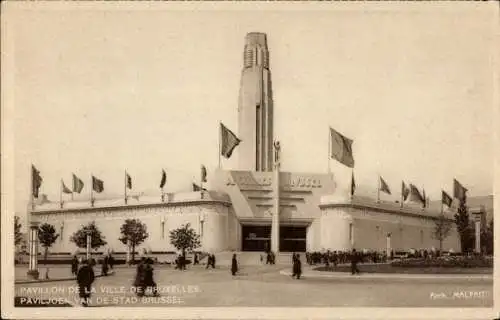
(384, 187)
(415, 195)
(77, 184)
(404, 191)
(353, 185)
(341, 148)
(36, 181)
(64, 188)
(97, 185)
(203, 174)
(163, 178)
(129, 180)
(458, 190)
(229, 141)
(446, 199)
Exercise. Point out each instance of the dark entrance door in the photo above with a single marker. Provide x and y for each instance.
(255, 238)
(293, 239)
(258, 238)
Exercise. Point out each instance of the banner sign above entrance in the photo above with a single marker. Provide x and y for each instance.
(251, 181)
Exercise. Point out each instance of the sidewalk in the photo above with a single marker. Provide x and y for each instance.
(72, 278)
(313, 274)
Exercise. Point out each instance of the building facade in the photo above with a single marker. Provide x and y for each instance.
(315, 215)
(254, 208)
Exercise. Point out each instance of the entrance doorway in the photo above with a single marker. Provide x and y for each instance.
(258, 238)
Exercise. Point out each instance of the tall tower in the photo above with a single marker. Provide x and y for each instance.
(255, 108)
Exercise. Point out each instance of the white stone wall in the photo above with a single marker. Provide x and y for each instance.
(370, 229)
(215, 216)
(335, 229)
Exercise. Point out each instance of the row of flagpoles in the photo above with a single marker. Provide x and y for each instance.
(339, 148)
(98, 185)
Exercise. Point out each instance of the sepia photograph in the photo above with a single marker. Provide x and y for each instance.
(187, 158)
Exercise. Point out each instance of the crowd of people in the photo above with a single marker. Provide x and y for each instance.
(341, 257)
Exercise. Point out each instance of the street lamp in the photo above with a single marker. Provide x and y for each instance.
(388, 245)
(88, 233)
(33, 272)
(477, 223)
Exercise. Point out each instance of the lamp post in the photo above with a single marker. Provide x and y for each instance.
(89, 243)
(33, 272)
(388, 245)
(129, 244)
(477, 223)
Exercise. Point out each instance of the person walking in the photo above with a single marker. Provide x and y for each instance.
(149, 277)
(299, 266)
(234, 265)
(74, 265)
(104, 269)
(294, 265)
(139, 282)
(85, 278)
(354, 262)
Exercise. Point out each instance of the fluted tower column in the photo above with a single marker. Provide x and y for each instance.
(255, 108)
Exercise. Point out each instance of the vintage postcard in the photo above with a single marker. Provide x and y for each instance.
(249, 160)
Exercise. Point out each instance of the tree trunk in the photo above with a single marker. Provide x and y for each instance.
(133, 252)
(440, 245)
(45, 254)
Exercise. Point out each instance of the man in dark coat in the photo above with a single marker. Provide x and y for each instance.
(74, 265)
(139, 282)
(209, 261)
(354, 262)
(149, 277)
(85, 278)
(196, 261)
(234, 265)
(298, 266)
(104, 269)
(294, 265)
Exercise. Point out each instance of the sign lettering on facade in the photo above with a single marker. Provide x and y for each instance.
(301, 182)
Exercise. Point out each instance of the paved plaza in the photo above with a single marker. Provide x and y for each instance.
(266, 286)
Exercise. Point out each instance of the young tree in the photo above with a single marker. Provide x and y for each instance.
(185, 238)
(487, 238)
(96, 238)
(463, 223)
(18, 236)
(134, 232)
(442, 230)
(47, 236)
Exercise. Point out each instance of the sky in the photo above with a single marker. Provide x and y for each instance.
(104, 91)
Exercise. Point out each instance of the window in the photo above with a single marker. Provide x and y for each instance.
(421, 236)
(351, 231)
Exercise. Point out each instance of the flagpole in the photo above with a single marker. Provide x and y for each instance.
(91, 191)
(402, 196)
(125, 185)
(352, 184)
(32, 197)
(219, 142)
(161, 187)
(442, 209)
(329, 149)
(60, 194)
(378, 189)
